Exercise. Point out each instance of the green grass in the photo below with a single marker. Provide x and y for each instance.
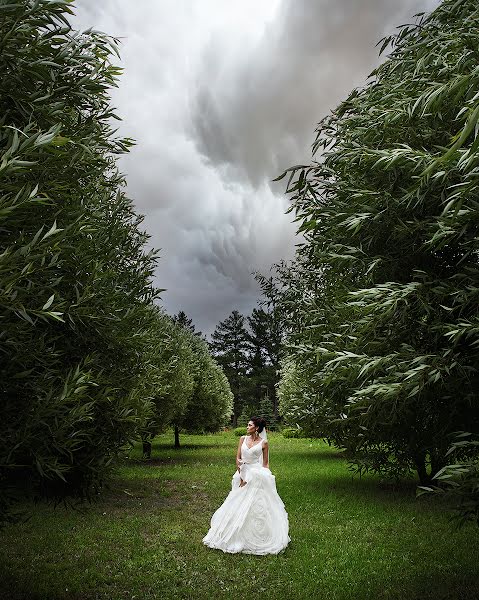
(351, 538)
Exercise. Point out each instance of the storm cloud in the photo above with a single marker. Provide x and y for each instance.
(222, 97)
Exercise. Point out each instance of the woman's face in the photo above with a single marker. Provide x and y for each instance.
(250, 428)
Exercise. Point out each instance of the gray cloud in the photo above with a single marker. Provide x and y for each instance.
(221, 98)
(258, 113)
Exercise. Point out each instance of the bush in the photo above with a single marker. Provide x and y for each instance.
(239, 431)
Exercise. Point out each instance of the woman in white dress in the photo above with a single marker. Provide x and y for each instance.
(252, 519)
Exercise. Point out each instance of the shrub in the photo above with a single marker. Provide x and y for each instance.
(239, 431)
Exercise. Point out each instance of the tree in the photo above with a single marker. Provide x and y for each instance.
(182, 319)
(171, 354)
(244, 417)
(266, 411)
(76, 281)
(229, 346)
(211, 403)
(265, 344)
(191, 391)
(386, 282)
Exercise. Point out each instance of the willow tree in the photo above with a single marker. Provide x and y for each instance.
(75, 286)
(386, 361)
(210, 405)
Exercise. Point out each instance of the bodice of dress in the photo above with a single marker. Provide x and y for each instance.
(252, 455)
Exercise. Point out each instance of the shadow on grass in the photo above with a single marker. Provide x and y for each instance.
(200, 447)
(140, 495)
(377, 492)
(360, 486)
(161, 461)
(436, 584)
(314, 457)
(14, 588)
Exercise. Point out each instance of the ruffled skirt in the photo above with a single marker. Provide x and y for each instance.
(252, 519)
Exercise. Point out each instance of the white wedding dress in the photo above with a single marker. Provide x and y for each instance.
(252, 519)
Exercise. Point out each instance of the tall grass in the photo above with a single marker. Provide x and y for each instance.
(351, 538)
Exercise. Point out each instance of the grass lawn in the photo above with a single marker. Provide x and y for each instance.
(351, 538)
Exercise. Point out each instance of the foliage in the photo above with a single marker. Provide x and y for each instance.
(266, 411)
(75, 278)
(192, 392)
(229, 346)
(382, 297)
(461, 479)
(239, 431)
(211, 403)
(264, 338)
(295, 396)
(244, 417)
(182, 319)
(291, 432)
(250, 350)
(171, 355)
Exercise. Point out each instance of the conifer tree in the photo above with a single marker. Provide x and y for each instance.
(182, 319)
(266, 411)
(229, 345)
(265, 346)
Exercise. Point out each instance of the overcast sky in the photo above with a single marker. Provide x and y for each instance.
(221, 96)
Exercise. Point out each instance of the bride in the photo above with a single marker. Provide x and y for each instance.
(252, 519)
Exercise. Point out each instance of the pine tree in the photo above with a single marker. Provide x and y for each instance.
(229, 345)
(265, 347)
(266, 411)
(244, 417)
(182, 319)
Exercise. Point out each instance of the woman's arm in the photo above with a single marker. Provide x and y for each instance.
(265, 455)
(238, 454)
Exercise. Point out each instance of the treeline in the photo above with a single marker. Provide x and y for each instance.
(249, 350)
(89, 362)
(381, 301)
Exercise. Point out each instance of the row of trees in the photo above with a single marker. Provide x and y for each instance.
(192, 392)
(249, 350)
(381, 302)
(88, 362)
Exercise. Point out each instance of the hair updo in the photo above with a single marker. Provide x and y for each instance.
(259, 422)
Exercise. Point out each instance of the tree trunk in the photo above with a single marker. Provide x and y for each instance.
(274, 391)
(420, 462)
(275, 405)
(177, 436)
(437, 463)
(146, 449)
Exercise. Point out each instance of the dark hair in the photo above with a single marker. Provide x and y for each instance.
(259, 422)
